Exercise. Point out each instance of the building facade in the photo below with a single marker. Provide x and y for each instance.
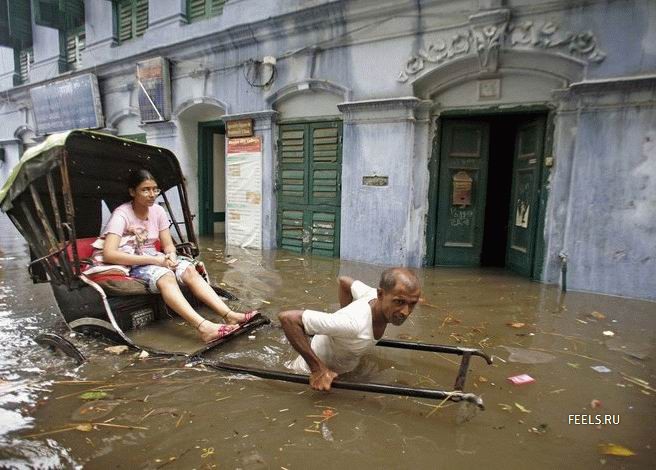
(516, 133)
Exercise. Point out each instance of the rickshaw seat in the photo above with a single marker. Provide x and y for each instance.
(114, 282)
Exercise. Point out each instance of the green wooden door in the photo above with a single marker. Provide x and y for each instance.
(207, 214)
(309, 183)
(461, 193)
(523, 217)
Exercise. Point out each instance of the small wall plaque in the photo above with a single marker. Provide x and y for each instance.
(489, 89)
(240, 128)
(375, 180)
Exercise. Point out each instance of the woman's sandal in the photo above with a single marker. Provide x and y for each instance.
(248, 316)
(225, 330)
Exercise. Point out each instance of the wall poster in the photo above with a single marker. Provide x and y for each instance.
(244, 192)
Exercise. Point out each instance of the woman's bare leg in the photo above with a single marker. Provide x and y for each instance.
(204, 292)
(173, 297)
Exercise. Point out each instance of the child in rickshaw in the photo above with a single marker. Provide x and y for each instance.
(130, 237)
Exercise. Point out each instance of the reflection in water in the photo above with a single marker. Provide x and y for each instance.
(156, 412)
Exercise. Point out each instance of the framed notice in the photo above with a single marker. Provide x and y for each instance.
(72, 103)
(244, 192)
(239, 128)
(154, 83)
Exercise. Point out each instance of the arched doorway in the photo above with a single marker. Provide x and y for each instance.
(203, 135)
(491, 158)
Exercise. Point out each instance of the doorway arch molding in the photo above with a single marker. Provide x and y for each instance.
(559, 69)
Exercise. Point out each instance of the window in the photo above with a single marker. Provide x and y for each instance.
(202, 9)
(131, 19)
(75, 41)
(25, 60)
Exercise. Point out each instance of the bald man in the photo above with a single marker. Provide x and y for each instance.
(342, 338)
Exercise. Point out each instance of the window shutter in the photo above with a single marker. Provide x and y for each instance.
(16, 24)
(47, 13)
(75, 43)
(141, 17)
(26, 58)
(124, 20)
(216, 6)
(73, 14)
(196, 9)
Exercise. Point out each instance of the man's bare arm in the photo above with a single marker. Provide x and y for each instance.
(321, 376)
(344, 291)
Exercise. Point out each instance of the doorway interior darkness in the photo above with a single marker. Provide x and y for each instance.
(503, 130)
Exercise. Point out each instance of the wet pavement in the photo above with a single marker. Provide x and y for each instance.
(591, 357)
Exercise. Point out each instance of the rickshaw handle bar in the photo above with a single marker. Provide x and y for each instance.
(455, 396)
(434, 348)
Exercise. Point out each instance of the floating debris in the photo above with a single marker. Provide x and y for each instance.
(527, 356)
(601, 369)
(522, 408)
(116, 349)
(608, 333)
(521, 379)
(616, 450)
(326, 433)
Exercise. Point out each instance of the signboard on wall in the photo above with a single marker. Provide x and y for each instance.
(154, 83)
(244, 192)
(239, 128)
(72, 103)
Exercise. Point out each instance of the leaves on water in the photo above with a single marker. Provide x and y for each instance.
(84, 427)
(616, 450)
(598, 315)
(94, 395)
(522, 408)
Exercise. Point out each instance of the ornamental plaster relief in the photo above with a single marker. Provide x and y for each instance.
(487, 39)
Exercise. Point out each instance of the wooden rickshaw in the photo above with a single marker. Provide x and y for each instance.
(56, 197)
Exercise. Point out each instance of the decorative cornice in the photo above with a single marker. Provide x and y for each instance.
(382, 110)
(491, 31)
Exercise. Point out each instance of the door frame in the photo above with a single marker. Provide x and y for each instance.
(434, 171)
(206, 131)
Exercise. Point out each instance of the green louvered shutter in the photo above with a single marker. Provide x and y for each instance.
(132, 18)
(26, 57)
(16, 24)
(196, 9)
(75, 42)
(293, 174)
(47, 13)
(217, 6)
(309, 181)
(141, 17)
(125, 20)
(73, 14)
(290, 228)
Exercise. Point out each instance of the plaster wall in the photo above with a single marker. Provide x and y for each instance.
(609, 222)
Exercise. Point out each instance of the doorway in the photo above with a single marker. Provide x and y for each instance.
(489, 181)
(211, 177)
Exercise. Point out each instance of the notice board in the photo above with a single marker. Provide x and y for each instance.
(72, 103)
(244, 192)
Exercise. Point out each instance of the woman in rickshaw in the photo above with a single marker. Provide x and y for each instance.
(130, 237)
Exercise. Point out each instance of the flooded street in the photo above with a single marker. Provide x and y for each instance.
(589, 356)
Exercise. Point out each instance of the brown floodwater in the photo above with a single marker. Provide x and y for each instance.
(159, 412)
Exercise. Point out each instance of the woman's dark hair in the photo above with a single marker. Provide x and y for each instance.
(135, 178)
